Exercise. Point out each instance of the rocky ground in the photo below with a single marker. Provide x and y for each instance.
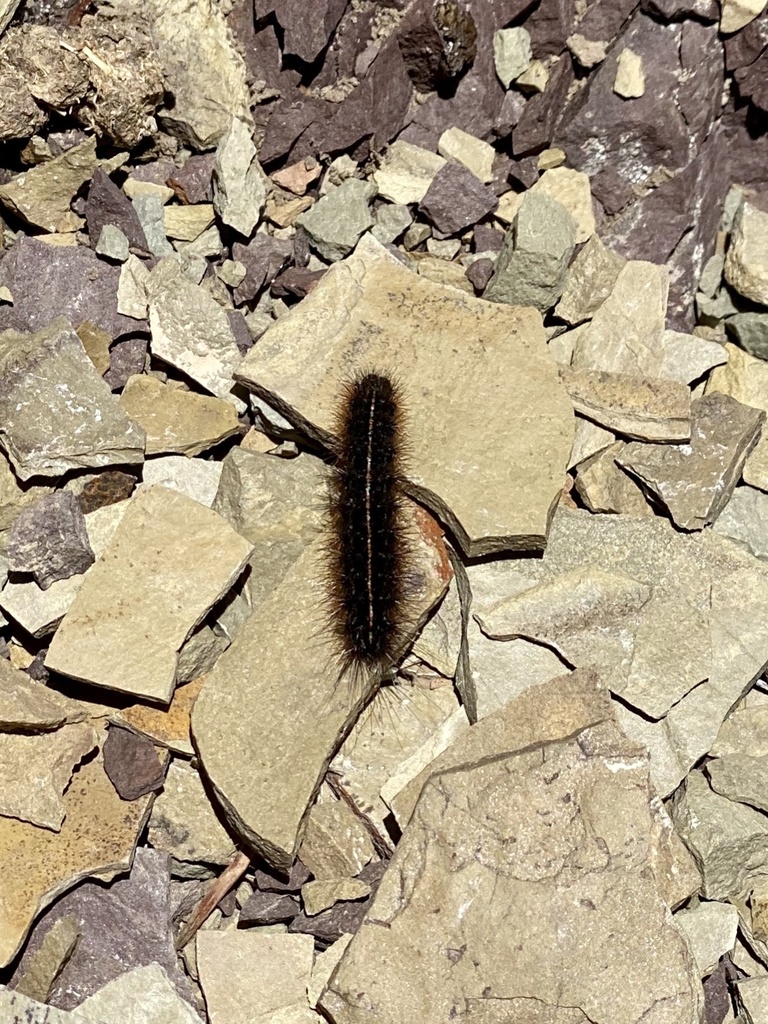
(550, 222)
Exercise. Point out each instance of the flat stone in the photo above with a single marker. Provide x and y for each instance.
(57, 413)
(108, 206)
(49, 540)
(406, 172)
(604, 487)
(511, 53)
(43, 966)
(746, 379)
(29, 706)
(475, 154)
(183, 822)
(148, 559)
(247, 976)
(190, 330)
(321, 895)
(201, 65)
(186, 223)
(750, 332)
(745, 520)
(630, 75)
(571, 188)
(151, 213)
(298, 177)
(166, 727)
(40, 611)
(625, 332)
(752, 998)
(686, 358)
(301, 728)
(589, 282)
(531, 267)
(746, 263)
(368, 328)
(144, 993)
(324, 966)
(36, 769)
(382, 973)
(42, 195)
(240, 186)
(132, 764)
(735, 14)
(18, 1007)
(710, 929)
(336, 843)
(695, 481)
(265, 908)
(589, 440)
(727, 839)
(96, 344)
(196, 478)
(390, 221)
(639, 407)
(741, 778)
(456, 199)
(98, 836)
(175, 420)
(335, 222)
(132, 289)
(113, 244)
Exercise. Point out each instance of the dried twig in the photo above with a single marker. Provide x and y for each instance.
(217, 890)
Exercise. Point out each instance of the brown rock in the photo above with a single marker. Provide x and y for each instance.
(479, 274)
(96, 344)
(536, 126)
(604, 487)
(132, 764)
(166, 727)
(106, 489)
(438, 43)
(49, 540)
(108, 204)
(192, 182)
(456, 199)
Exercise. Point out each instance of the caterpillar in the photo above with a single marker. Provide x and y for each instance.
(367, 544)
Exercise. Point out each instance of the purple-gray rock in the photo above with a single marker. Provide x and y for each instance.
(303, 36)
(604, 19)
(289, 120)
(479, 274)
(752, 82)
(269, 908)
(746, 45)
(678, 10)
(240, 330)
(263, 258)
(299, 874)
(126, 358)
(542, 113)
(49, 540)
(132, 764)
(47, 281)
(123, 925)
(487, 239)
(108, 204)
(296, 282)
(550, 25)
(155, 171)
(192, 183)
(343, 917)
(456, 199)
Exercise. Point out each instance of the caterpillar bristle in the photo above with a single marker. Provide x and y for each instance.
(367, 547)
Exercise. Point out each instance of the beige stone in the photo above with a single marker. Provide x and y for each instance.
(508, 206)
(132, 288)
(630, 75)
(744, 731)
(187, 222)
(604, 487)
(742, 778)
(321, 895)
(444, 272)
(476, 155)
(358, 315)
(196, 478)
(645, 408)
(28, 706)
(625, 333)
(571, 188)
(46, 963)
(167, 727)
(686, 358)
(98, 837)
(174, 420)
(589, 440)
(147, 594)
(745, 378)
(36, 769)
(472, 856)
(134, 187)
(746, 263)
(549, 158)
(183, 822)
(735, 14)
(406, 172)
(42, 195)
(535, 77)
(324, 966)
(291, 732)
(752, 999)
(588, 52)
(589, 281)
(96, 344)
(252, 977)
(336, 843)
(240, 186)
(138, 996)
(710, 929)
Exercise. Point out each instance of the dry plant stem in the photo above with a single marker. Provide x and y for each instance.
(217, 890)
(380, 844)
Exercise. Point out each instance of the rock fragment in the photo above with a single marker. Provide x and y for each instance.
(456, 199)
(57, 413)
(135, 996)
(108, 206)
(406, 173)
(473, 153)
(630, 75)
(165, 727)
(29, 706)
(146, 561)
(511, 53)
(736, 14)
(711, 932)
(746, 379)
(132, 764)
(745, 520)
(44, 965)
(42, 195)
(49, 540)
(336, 843)
(604, 487)
(335, 223)
(740, 777)
(239, 184)
(746, 263)
(183, 822)
(319, 896)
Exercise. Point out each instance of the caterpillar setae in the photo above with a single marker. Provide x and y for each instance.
(367, 545)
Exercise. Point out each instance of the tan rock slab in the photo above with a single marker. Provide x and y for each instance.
(138, 996)
(571, 188)
(198, 479)
(96, 344)
(740, 777)
(589, 440)
(695, 481)
(187, 222)
(146, 594)
(132, 288)
(752, 998)
(168, 727)
(336, 843)
(589, 281)
(46, 963)
(639, 407)
(625, 333)
(29, 706)
(686, 358)
(175, 420)
(735, 14)
(291, 732)
(746, 263)
(744, 731)
(184, 824)
(36, 769)
(240, 186)
(630, 75)
(474, 153)
(250, 977)
(710, 929)
(502, 834)
(406, 172)
(42, 195)
(97, 838)
(319, 896)
(745, 378)
(604, 487)
(324, 966)
(358, 315)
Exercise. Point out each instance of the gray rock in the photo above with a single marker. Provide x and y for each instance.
(139, 995)
(746, 264)
(711, 275)
(745, 520)
(56, 413)
(49, 540)
(589, 281)
(336, 221)
(694, 481)
(240, 186)
(750, 332)
(113, 244)
(390, 221)
(532, 264)
(149, 209)
(728, 840)
(741, 778)
(511, 53)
